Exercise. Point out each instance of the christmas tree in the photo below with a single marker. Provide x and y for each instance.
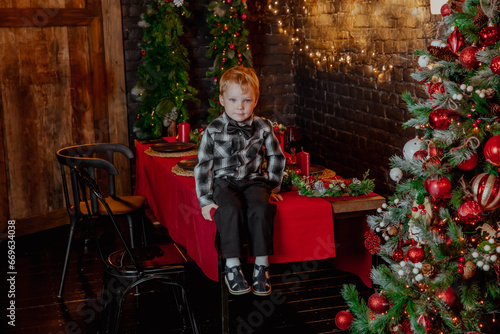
(163, 88)
(229, 48)
(439, 233)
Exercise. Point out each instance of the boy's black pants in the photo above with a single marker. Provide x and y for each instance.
(244, 210)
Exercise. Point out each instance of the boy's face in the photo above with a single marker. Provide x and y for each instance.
(238, 104)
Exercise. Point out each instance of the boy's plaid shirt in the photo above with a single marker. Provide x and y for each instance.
(223, 155)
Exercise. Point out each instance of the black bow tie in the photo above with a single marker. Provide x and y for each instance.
(246, 130)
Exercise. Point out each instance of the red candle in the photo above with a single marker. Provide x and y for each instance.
(184, 129)
(303, 162)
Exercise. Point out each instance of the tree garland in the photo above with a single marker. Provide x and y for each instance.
(229, 47)
(163, 88)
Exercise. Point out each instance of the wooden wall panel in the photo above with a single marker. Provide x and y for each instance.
(58, 87)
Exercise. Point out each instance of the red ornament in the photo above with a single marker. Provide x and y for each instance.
(486, 189)
(495, 65)
(436, 87)
(378, 303)
(438, 188)
(455, 40)
(448, 296)
(489, 35)
(225, 28)
(243, 16)
(143, 52)
(420, 155)
(397, 255)
(231, 46)
(468, 57)
(470, 163)
(298, 171)
(470, 212)
(372, 242)
(416, 254)
(439, 120)
(445, 10)
(492, 150)
(343, 320)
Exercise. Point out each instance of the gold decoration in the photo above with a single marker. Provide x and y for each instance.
(469, 269)
(392, 231)
(428, 270)
(154, 153)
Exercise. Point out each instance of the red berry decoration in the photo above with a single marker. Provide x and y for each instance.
(468, 57)
(495, 65)
(448, 296)
(455, 40)
(489, 35)
(492, 150)
(439, 120)
(438, 188)
(378, 303)
(436, 87)
(470, 212)
(486, 189)
(470, 163)
(416, 254)
(343, 320)
(445, 10)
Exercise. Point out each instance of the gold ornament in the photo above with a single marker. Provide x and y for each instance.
(392, 231)
(469, 269)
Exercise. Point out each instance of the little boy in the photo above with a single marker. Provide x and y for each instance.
(229, 178)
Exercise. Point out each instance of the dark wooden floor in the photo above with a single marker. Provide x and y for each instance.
(305, 300)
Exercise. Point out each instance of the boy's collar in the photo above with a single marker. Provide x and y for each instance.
(248, 121)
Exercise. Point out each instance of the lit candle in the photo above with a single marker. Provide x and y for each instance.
(303, 162)
(184, 129)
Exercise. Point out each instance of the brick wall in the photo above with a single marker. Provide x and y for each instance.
(350, 111)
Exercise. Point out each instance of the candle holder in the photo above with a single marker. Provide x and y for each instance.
(293, 139)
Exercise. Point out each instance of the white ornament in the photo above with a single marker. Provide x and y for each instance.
(419, 277)
(436, 43)
(493, 258)
(487, 248)
(491, 241)
(396, 174)
(480, 263)
(486, 267)
(384, 206)
(481, 95)
(411, 147)
(402, 264)
(454, 96)
(386, 237)
(379, 210)
(401, 272)
(470, 89)
(377, 229)
(463, 86)
(475, 255)
(460, 97)
(418, 265)
(498, 249)
(415, 271)
(396, 201)
(423, 61)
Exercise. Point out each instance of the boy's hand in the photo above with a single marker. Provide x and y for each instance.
(205, 211)
(275, 197)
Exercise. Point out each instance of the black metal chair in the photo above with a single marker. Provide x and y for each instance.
(127, 269)
(92, 157)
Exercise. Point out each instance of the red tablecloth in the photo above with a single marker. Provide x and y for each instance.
(303, 225)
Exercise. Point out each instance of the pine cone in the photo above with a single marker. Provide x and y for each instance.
(494, 109)
(480, 18)
(469, 269)
(428, 270)
(456, 6)
(441, 53)
(489, 93)
(392, 231)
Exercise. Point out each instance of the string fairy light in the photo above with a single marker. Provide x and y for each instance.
(334, 56)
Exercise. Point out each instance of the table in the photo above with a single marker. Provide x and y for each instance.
(304, 228)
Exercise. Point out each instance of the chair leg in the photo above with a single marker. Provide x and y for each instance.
(143, 227)
(130, 221)
(67, 256)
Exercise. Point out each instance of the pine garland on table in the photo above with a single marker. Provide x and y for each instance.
(229, 48)
(163, 86)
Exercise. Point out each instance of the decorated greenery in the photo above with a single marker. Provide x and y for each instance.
(439, 233)
(315, 186)
(229, 48)
(163, 86)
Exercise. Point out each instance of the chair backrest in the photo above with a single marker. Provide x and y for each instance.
(87, 184)
(86, 156)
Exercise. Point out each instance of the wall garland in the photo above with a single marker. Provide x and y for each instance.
(163, 86)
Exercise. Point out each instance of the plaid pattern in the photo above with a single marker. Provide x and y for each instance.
(223, 155)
